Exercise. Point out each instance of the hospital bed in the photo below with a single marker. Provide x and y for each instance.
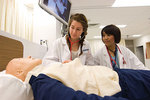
(12, 46)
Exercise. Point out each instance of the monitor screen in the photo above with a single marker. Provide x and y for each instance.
(60, 9)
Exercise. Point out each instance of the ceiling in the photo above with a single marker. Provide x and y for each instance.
(100, 12)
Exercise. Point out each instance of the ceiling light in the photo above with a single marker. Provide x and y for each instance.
(136, 35)
(131, 3)
(120, 26)
(97, 37)
(102, 26)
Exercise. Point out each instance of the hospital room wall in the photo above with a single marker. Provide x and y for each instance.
(142, 42)
(97, 44)
(45, 26)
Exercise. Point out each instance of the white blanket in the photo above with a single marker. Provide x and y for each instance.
(99, 80)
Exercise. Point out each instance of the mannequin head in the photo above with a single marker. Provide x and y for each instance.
(19, 67)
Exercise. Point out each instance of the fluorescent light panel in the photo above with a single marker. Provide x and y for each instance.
(120, 26)
(97, 37)
(131, 3)
(136, 35)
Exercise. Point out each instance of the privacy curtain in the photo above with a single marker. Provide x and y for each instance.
(16, 18)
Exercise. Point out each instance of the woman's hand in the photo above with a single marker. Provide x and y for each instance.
(66, 61)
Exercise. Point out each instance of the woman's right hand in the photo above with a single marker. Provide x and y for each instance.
(66, 61)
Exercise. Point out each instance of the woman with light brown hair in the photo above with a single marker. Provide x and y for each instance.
(72, 45)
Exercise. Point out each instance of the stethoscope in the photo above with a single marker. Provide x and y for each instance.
(71, 47)
(112, 60)
(73, 43)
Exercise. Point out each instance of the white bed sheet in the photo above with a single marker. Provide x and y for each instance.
(12, 88)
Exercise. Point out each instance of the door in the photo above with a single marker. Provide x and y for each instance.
(140, 54)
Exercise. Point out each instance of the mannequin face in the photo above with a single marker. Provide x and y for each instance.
(24, 62)
(108, 39)
(19, 67)
(76, 30)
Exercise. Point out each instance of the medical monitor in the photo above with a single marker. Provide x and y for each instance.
(60, 9)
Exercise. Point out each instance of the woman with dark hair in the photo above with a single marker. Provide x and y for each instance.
(113, 55)
(72, 45)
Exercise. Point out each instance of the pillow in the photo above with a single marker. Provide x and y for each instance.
(12, 88)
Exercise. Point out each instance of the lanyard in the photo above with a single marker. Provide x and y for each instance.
(112, 60)
(71, 47)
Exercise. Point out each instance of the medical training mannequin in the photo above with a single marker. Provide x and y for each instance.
(134, 84)
(113, 55)
(71, 74)
(72, 45)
